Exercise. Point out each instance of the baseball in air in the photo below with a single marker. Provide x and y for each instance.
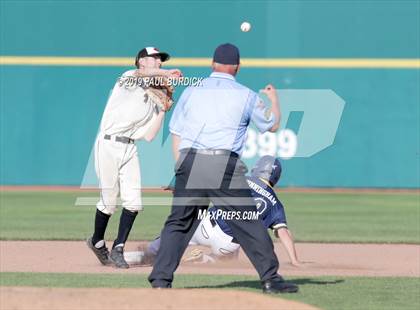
(245, 26)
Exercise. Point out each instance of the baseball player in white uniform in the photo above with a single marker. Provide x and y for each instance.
(131, 114)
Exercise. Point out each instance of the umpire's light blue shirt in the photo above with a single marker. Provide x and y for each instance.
(216, 114)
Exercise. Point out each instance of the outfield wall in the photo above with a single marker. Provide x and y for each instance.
(50, 113)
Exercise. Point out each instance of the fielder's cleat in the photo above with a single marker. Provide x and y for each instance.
(101, 253)
(117, 257)
(278, 285)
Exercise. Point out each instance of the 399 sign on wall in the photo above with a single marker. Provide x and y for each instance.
(281, 144)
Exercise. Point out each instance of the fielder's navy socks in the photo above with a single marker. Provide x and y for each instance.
(101, 222)
(126, 222)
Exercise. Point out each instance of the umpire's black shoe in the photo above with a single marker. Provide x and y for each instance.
(162, 286)
(117, 257)
(278, 285)
(101, 253)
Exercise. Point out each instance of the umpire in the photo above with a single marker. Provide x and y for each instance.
(208, 128)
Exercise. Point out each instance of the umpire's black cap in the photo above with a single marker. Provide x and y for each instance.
(151, 51)
(227, 54)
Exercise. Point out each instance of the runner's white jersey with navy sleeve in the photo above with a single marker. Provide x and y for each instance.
(269, 207)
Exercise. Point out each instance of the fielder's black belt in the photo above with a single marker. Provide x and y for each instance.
(209, 151)
(121, 139)
(214, 223)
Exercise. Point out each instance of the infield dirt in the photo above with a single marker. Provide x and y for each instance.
(323, 259)
(75, 257)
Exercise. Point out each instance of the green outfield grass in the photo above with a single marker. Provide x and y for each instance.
(325, 292)
(332, 217)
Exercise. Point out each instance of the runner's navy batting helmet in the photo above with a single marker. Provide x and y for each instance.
(268, 168)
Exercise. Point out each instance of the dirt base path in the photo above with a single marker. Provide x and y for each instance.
(324, 259)
(105, 298)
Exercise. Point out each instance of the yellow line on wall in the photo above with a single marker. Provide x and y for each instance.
(332, 63)
(65, 61)
(378, 63)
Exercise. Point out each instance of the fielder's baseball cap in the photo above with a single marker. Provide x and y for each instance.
(227, 54)
(151, 51)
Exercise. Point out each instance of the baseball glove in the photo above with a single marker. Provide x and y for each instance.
(198, 257)
(161, 95)
(195, 255)
(158, 87)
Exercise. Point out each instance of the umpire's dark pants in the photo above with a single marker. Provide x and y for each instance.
(220, 179)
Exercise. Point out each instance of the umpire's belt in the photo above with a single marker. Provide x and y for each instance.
(121, 139)
(209, 152)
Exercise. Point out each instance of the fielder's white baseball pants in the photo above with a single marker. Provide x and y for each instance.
(118, 170)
